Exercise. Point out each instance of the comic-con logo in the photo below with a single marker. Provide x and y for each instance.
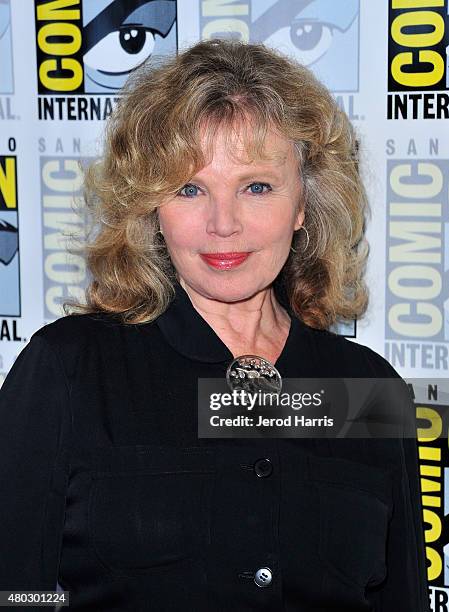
(9, 238)
(6, 74)
(417, 59)
(63, 227)
(86, 47)
(432, 415)
(417, 265)
(321, 34)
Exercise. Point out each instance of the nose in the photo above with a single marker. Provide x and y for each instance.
(223, 216)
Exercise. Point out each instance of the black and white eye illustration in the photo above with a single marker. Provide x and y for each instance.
(322, 34)
(9, 242)
(119, 36)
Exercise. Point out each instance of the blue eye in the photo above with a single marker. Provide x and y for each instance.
(191, 190)
(260, 187)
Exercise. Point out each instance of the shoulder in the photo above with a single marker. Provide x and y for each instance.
(93, 333)
(75, 328)
(75, 336)
(373, 361)
(349, 358)
(55, 347)
(83, 343)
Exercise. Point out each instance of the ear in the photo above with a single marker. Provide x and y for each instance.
(299, 219)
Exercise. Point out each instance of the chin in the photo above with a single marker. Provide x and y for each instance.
(230, 290)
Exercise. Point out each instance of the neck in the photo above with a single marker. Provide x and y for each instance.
(257, 325)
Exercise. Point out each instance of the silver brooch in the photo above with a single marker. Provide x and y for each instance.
(252, 374)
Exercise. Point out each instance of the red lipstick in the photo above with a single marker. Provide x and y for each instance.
(225, 261)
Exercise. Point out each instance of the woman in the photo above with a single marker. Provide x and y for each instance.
(230, 222)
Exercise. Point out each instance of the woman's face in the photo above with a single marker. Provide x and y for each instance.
(230, 228)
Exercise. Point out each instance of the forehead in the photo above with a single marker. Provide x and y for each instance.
(241, 144)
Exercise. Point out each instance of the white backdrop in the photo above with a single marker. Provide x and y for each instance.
(62, 63)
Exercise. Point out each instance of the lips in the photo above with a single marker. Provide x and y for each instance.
(225, 261)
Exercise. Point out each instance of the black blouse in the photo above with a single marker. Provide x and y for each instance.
(106, 487)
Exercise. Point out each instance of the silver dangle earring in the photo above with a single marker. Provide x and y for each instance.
(307, 233)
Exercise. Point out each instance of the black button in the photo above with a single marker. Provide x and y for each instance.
(263, 467)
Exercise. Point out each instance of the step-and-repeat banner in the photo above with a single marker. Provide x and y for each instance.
(62, 64)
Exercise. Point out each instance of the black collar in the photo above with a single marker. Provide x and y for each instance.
(190, 334)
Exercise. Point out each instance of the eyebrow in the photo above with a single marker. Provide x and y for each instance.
(267, 174)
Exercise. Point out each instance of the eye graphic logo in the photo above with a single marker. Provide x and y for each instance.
(92, 47)
(9, 239)
(6, 73)
(321, 34)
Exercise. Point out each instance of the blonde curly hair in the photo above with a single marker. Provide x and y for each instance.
(152, 148)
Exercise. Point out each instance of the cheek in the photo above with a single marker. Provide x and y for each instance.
(276, 230)
(180, 231)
